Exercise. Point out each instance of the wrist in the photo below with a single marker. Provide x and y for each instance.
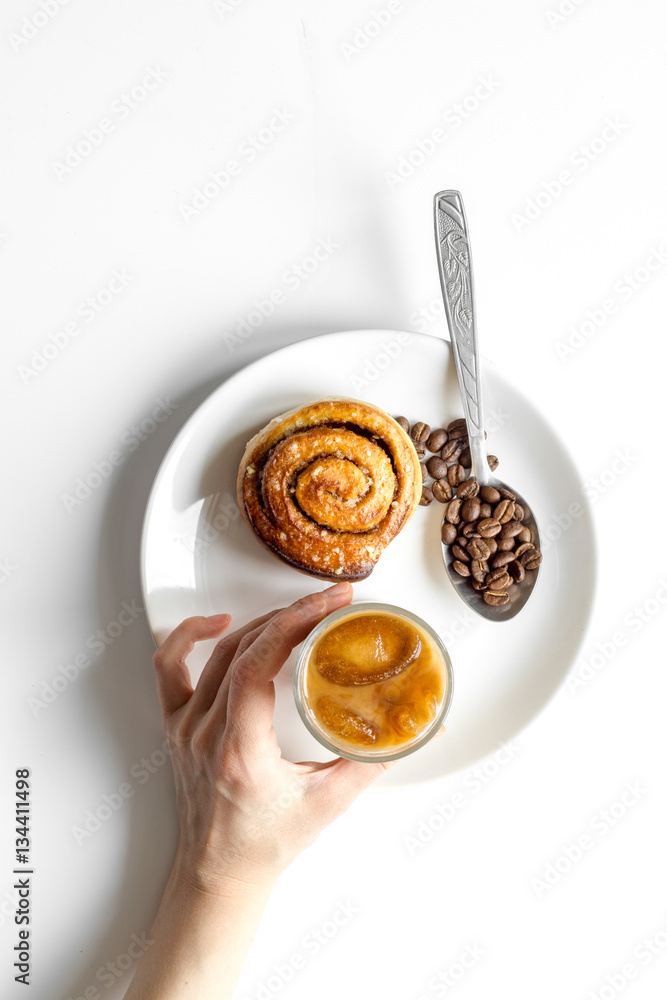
(202, 932)
(214, 877)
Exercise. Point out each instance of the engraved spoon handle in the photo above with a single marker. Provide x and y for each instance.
(458, 292)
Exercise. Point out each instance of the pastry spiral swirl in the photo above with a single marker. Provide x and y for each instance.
(327, 486)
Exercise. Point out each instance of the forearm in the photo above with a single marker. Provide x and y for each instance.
(199, 940)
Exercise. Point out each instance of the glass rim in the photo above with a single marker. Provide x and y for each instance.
(302, 659)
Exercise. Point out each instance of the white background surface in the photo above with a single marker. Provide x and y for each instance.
(220, 71)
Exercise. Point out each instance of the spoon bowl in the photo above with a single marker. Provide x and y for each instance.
(518, 593)
(456, 281)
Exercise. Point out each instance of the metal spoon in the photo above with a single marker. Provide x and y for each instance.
(456, 280)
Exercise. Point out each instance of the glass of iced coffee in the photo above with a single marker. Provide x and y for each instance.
(373, 682)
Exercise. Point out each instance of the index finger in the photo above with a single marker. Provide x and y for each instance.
(251, 692)
(215, 671)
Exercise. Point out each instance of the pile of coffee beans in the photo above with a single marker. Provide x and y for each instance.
(447, 466)
(483, 527)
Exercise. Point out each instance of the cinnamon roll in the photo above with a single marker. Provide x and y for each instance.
(327, 486)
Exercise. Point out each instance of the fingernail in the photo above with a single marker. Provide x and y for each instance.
(315, 605)
(217, 618)
(338, 588)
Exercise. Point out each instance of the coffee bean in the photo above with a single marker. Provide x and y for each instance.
(497, 579)
(503, 511)
(525, 554)
(403, 422)
(420, 448)
(449, 448)
(424, 472)
(465, 458)
(496, 597)
(469, 530)
(476, 585)
(525, 535)
(468, 488)
(479, 568)
(460, 554)
(437, 467)
(457, 428)
(479, 548)
(470, 509)
(420, 431)
(462, 542)
(437, 439)
(504, 544)
(493, 545)
(448, 533)
(453, 511)
(489, 494)
(502, 559)
(511, 528)
(519, 512)
(531, 560)
(461, 568)
(456, 474)
(486, 510)
(426, 497)
(488, 526)
(516, 571)
(460, 435)
(493, 464)
(442, 491)
(453, 455)
(506, 494)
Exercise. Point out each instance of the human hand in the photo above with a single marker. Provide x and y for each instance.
(246, 812)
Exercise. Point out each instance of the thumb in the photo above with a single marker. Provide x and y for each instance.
(341, 781)
(338, 782)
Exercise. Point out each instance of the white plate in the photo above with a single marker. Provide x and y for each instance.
(199, 556)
